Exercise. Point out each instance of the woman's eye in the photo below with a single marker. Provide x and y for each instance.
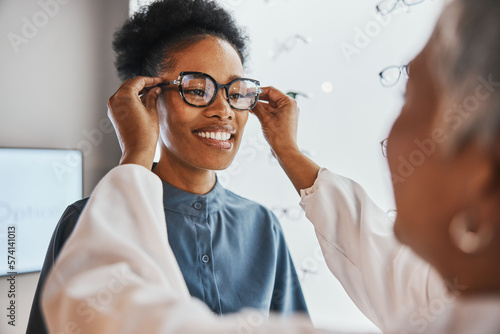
(237, 96)
(197, 92)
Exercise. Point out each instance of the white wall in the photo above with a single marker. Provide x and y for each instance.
(54, 88)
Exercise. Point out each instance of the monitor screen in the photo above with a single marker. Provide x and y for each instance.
(36, 186)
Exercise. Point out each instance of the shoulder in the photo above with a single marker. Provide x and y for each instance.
(78, 206)
(237, 199)
(72, 212)
(68, 221)
(252, 209)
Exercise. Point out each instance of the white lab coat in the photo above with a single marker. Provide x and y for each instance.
(117, 273)
(385, 279)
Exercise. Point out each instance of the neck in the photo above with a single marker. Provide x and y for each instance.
(477, 275)
(179, 174)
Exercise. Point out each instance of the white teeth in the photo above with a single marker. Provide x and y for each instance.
(214, 135)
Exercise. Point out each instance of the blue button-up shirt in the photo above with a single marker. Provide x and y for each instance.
(231, 251)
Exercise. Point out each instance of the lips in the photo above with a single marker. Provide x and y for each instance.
(217, 136)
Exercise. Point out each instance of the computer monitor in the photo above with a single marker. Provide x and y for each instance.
(36, 185)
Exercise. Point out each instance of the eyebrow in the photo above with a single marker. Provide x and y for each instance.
(234, 77)
(231, 78)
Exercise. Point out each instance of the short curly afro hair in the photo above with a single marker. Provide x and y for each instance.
(147, 42)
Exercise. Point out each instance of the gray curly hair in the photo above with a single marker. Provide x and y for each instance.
(467, 63)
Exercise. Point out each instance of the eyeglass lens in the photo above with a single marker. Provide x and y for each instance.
(200, 90)
(387, 6)
(390, 76)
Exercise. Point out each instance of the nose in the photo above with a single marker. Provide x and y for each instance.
(220, 107)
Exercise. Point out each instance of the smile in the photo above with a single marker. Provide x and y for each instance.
(217, 136)
(222, 136)
(219, 140)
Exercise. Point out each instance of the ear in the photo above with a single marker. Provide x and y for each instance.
(489, 206)
(474, 226)
(484, 209)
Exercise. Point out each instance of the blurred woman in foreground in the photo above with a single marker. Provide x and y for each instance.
(448, 211)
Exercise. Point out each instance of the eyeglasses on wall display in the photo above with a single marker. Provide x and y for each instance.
(386, 7)
(288, 45)
(391, 75)
(292, 213)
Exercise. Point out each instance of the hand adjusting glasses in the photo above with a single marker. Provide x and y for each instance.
(200, 90)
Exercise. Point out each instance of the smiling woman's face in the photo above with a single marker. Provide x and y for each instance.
(184, 128)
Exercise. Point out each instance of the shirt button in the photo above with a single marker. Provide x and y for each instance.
(205, 258)
(197, 205)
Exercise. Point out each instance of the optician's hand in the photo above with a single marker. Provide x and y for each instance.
(279, 115)
(132, 110)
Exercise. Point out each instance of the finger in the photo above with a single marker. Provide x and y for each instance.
(138, 84)
(144, 93)
(263, 107)
(272, 95)
(263, 112)
(151, 98)
(145, 90)
(265, 97)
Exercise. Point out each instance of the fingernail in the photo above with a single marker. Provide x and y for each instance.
(158, 90)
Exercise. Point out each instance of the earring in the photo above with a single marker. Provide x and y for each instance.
(464, 239)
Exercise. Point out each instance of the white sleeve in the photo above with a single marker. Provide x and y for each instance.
(385, 279)
(117, 273)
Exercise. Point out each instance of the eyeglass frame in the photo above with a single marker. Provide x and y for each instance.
(402, 69)
(395, 5)
(290, 212)
(392, 214)
(218, 86)
(383, 144)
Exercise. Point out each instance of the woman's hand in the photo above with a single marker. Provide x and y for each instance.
(279, 117)
(135, 119)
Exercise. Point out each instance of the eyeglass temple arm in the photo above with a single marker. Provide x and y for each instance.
(175, 82)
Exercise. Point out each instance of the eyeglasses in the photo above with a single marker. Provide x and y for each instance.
(392, 214)
(383, 144)
(291, 213)
(390, 76)
(200, 90)
(294, 95)
(385, 7)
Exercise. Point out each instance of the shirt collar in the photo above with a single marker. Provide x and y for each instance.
(183, 202)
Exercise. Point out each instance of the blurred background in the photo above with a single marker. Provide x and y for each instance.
(57, 73)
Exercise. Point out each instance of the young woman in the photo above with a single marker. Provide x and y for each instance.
(231, 251)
